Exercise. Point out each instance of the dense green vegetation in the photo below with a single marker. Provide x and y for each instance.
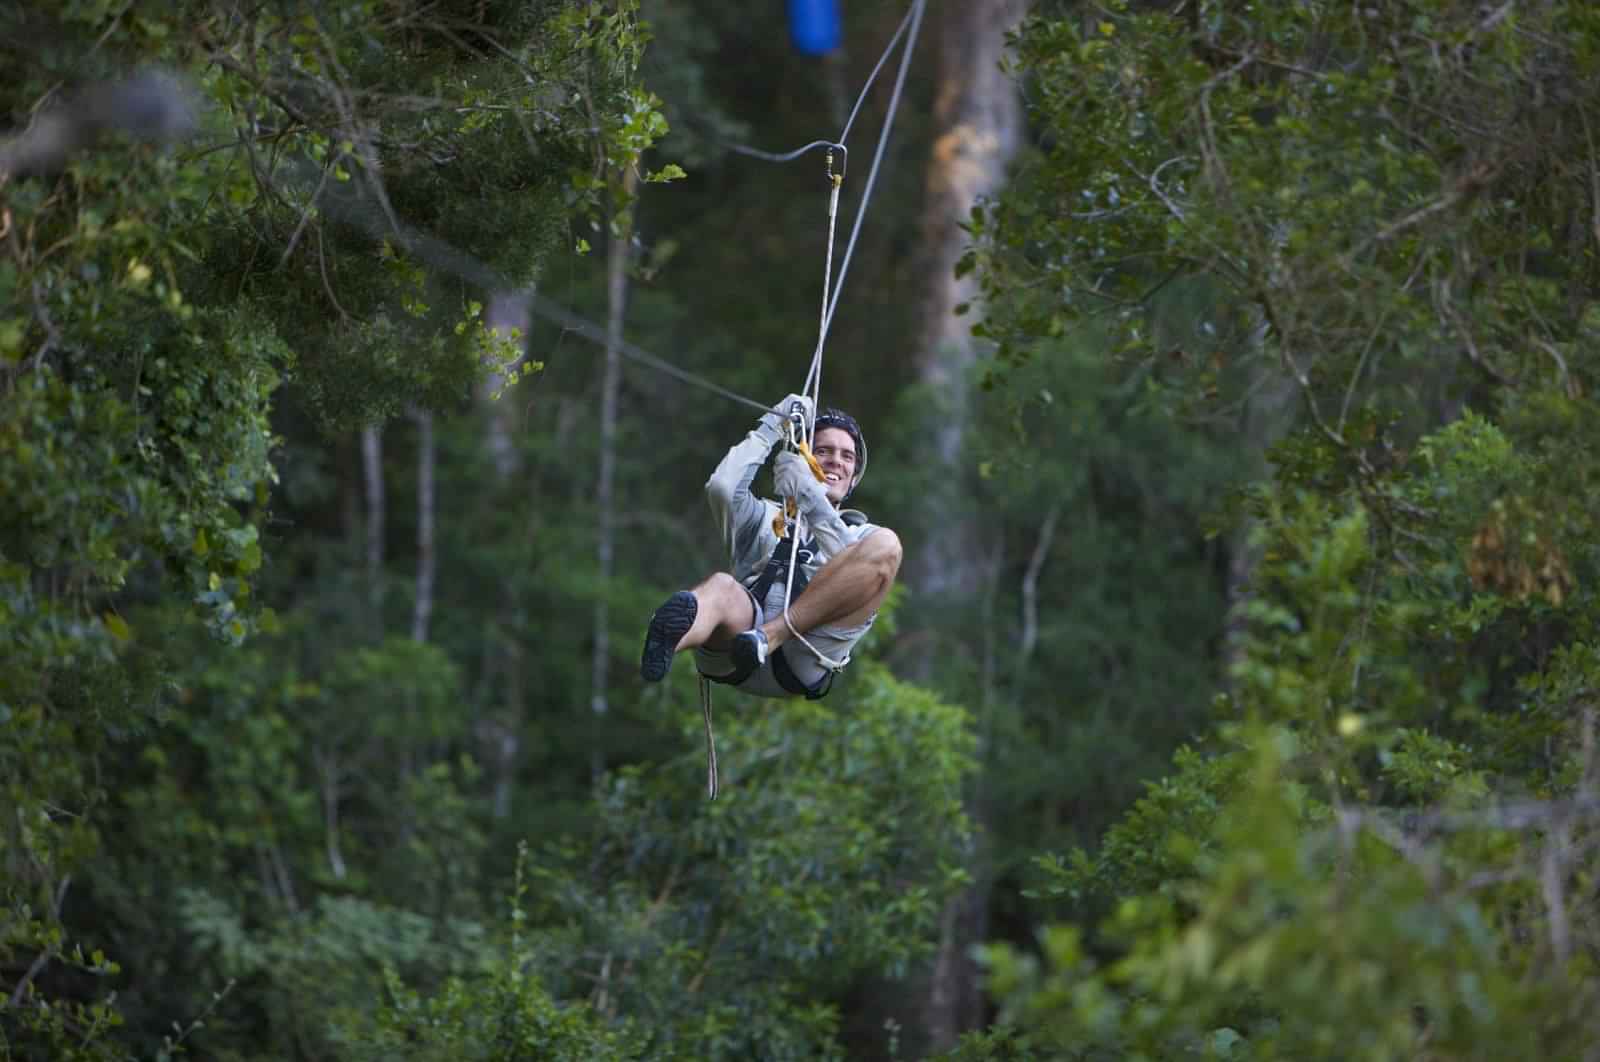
(1380, 849)
(1268, 731)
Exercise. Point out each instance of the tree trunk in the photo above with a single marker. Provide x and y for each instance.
(372, 473)
(605, 530)
(499, 728)
(978, 123)
(978, 127)
(422, 611)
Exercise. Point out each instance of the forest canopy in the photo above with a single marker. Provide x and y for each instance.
(1227, 371)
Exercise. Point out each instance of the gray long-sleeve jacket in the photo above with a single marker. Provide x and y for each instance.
(746, 520)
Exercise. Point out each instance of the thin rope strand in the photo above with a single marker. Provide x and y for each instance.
(559, 314)
(872, 77)
(861, 97)
(712, 785)
(830, 296)
(787, 156)
(813, 384)
(447, 258)
(877, 157)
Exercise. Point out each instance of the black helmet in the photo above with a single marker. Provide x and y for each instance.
(838, 418)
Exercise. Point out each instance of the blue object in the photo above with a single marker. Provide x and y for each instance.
(814, 26)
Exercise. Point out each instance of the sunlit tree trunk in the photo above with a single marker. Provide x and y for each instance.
(978, 123)
(978, 128)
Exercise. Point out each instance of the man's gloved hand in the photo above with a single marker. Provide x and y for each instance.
(777, 420)
(793, 478)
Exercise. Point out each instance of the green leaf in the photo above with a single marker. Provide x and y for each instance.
(117, 626)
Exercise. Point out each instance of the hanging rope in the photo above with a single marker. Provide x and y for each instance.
(711, 739)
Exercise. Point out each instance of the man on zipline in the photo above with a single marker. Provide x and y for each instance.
(735, 622)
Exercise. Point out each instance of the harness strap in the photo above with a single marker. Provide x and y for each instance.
(781, 671)
(791, 682)
(778, 569)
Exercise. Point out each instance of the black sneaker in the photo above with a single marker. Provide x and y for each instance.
(667, 628)
(749, 651)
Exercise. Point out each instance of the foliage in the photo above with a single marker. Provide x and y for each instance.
(1350, 858)
(680, 929)
(1372, 199)
(1108, 606)
(1375, 851)
(503, 1015)
(158, 297)
(722, 929)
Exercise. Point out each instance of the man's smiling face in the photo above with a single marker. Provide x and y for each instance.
(835, 451)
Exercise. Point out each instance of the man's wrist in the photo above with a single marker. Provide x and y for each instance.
(770, 428)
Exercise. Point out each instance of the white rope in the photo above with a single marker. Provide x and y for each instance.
(788, 590)
(813, 384)
(861, 98)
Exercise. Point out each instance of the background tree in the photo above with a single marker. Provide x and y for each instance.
(1363, 198)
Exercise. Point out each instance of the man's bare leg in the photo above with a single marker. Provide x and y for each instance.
(847, 590)
(710, 614)
(723, 609)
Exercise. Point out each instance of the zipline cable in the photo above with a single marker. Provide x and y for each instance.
(787, 156)
(559, 314)
(450, 259)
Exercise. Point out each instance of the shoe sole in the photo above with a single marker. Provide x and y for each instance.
(667, 628)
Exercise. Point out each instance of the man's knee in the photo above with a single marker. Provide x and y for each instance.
(883, 550)
(721, 584)
(728, 600)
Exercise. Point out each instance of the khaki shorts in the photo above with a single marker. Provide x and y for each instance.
(834, 642)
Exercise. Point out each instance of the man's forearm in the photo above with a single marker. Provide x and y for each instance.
(728, 490)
